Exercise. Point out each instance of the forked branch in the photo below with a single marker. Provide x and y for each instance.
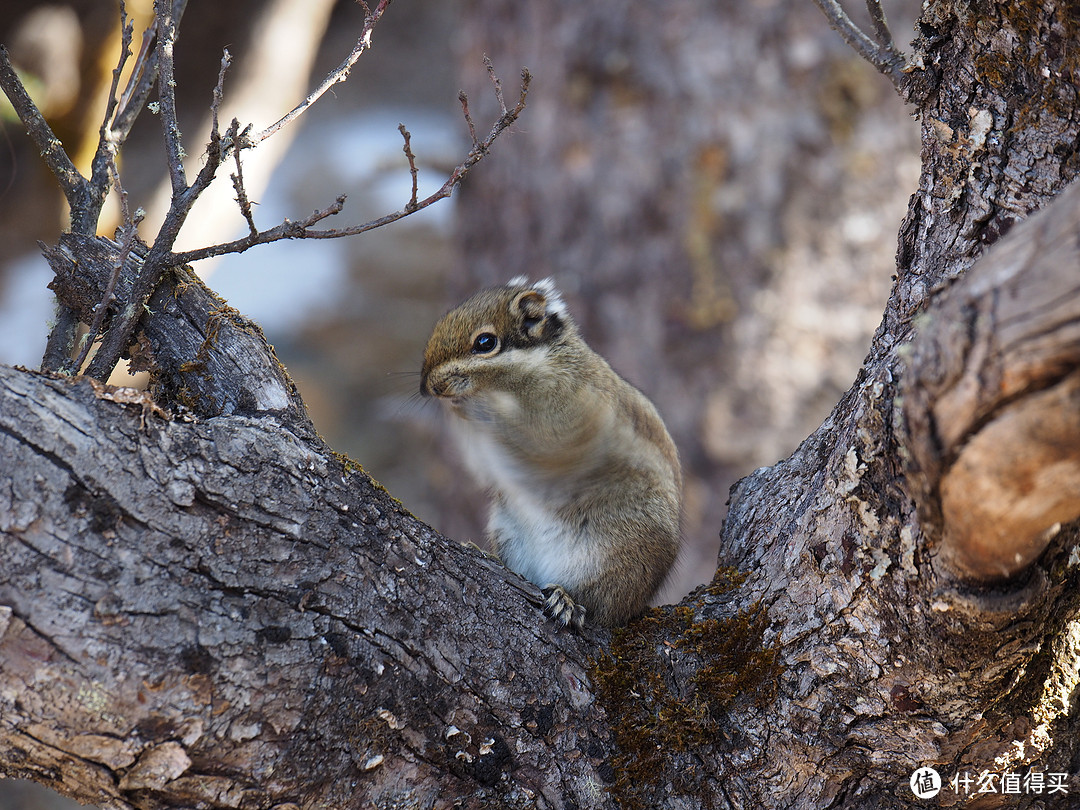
(304, 228)
(880, 50)
(86, 196)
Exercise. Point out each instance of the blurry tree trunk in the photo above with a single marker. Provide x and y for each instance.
(215, 610)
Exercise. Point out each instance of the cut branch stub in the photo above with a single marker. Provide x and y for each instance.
(201, 353)
(991, 400)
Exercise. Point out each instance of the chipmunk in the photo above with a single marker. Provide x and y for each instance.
(584, 478)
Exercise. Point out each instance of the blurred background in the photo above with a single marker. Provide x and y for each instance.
(715, 186)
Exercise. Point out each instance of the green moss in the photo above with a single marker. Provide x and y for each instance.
(654, 717)
(349, 464)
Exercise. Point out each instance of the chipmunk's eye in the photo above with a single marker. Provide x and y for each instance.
(485, 343)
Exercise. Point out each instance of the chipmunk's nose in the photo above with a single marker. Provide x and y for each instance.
(444, 383)
(426, 389)
(435, 384)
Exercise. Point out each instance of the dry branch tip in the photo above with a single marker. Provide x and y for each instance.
(413, 171)
(881, 52)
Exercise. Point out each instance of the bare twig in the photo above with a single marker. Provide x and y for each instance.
(156, 57)
(495, 81)
(126, 29)
(174, 150)
(119, 336)
(303, 229)
(216, 151)
(882, 53)
(407, 149)
(338, 74)
(128, 237)
(881, 25)
(183, 195)
(240, 138)
(52, 151)
(102, 165)
(219, 93)
(141, 81)
(464, 99)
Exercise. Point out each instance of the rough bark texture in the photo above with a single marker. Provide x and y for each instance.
(831, 536)
(214, 610)
(216, 613)
(202, 354)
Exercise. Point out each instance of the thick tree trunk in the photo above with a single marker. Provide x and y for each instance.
(212, 609)
(217, 613)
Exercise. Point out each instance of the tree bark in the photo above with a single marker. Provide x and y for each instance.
(212, 609)
(990, 400)
(218, 613)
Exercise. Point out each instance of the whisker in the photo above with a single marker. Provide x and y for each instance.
(401, 381)
(400, 408)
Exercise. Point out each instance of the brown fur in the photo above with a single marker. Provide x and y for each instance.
(584, 476)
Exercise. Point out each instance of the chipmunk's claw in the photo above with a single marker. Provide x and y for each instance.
(560, 607)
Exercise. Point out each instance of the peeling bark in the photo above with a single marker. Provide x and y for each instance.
(991, 396)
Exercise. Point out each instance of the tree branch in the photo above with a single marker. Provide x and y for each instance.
(119, 337)
(174, 150)
(103, 165)
(140, 83)
(128, 241)
(303, 229)
(338, 74)
(76, 190)
(229, 647)
(413, 171)
(85, 196)
(201, 354)
(61, 340)
(880, 24)
(236, 136)
(128, 310)
(882, 52)
(989, 399)
(52, 151)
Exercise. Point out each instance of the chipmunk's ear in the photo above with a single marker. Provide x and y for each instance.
(540, 308)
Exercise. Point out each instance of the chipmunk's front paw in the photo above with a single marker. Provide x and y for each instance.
(561, 608)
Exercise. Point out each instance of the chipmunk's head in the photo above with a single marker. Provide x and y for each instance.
(485, 355)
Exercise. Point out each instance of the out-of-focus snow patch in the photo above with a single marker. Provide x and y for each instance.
(26, 311)
(282, 285)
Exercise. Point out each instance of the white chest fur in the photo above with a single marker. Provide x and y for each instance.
(531, 537)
